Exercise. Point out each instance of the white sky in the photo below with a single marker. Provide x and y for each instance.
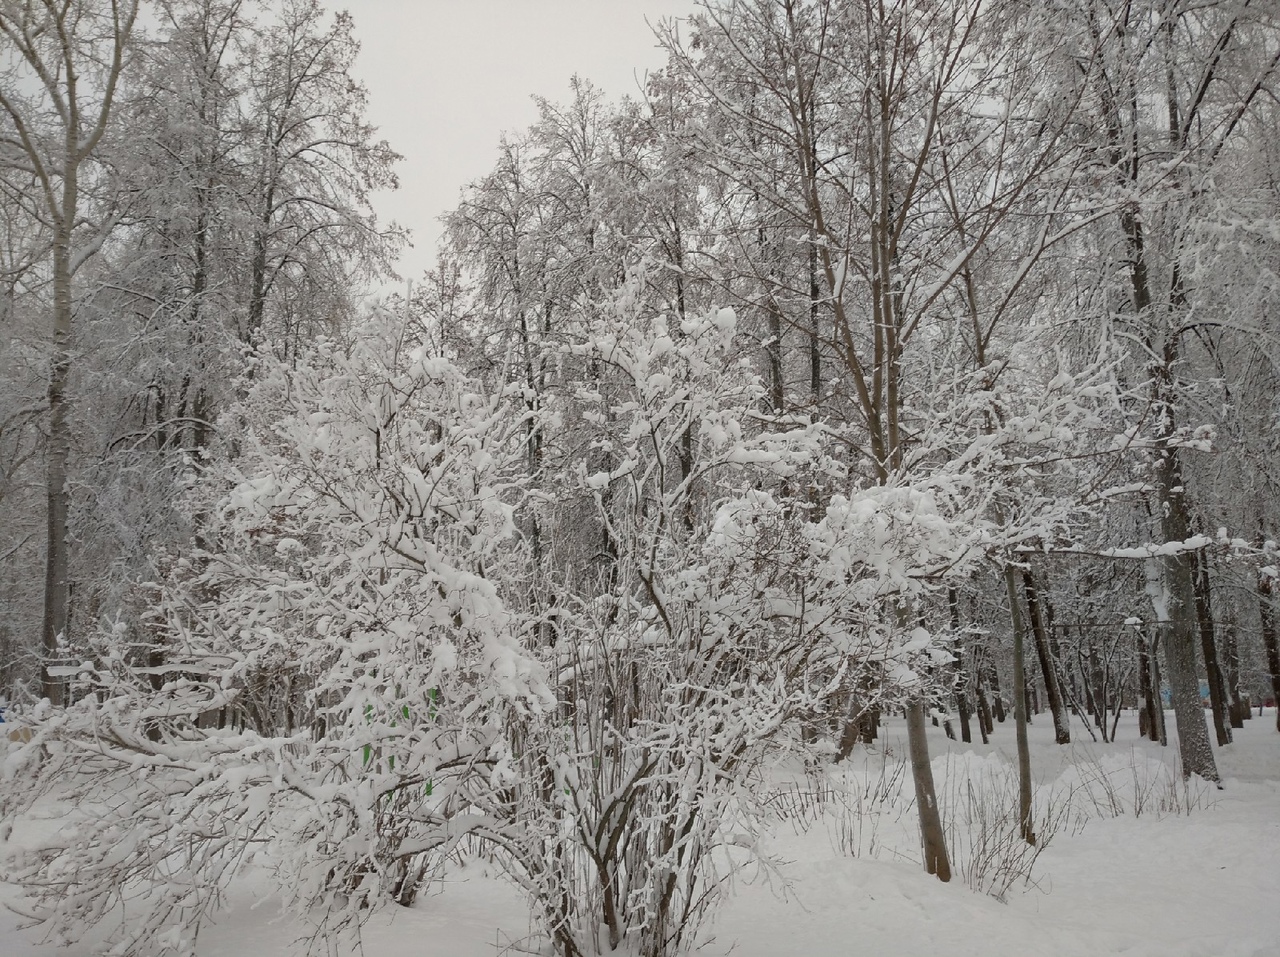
(447, 77)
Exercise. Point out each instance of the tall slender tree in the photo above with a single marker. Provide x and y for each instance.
(58, 91)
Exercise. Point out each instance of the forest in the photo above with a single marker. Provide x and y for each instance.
(886, 363)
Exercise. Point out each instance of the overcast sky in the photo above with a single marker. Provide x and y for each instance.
(447, 77)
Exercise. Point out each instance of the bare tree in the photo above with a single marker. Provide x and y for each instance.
(58, 93)
(867, 135)
(1174, 86)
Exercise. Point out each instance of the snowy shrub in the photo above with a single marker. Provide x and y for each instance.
(863, 806)
(368, 656)
(868, 807)
(1115, 785)
(723, 609)
(868, 814)
(984, 829)
(675, 674)
(328, 675)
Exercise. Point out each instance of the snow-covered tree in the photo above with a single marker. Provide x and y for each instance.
(327, 674)
(58, 88)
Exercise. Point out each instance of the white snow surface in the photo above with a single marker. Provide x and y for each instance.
(1198, 884)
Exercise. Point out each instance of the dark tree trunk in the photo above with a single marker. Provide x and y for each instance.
(1048, 667)
(1239, 708)
(1149, 678)
(985, 725)
(997, 699)
(57, 590)
(1020, 708)
(1099, 683)
(869, 725)
(773, 352)
(960, 678)
(1179, 640)
(1267, 614)
(1209, 648)
(815, 340)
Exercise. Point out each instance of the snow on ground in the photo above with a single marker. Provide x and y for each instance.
(1203, 884)
(1200, 885)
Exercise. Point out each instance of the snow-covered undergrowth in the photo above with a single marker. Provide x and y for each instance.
(1128, 870)
(867, 807)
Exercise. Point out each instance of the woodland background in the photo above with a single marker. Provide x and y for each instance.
(883, 357)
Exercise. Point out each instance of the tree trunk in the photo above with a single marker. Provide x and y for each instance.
(1160, 730)
(960, 678)
(985, 724)
(57, 591)
(1020, 708)
(80, 41)
(1170, 577)
(931, 835)
(1209, 648)
(997, 700)
(1048, 667)
(1085, 668)
(869, 725)
(1175, 604)
(1098, 680)
(773, 351)
(1266, 612)
(1152, 723)
(815, 342)
(1238, 709)
(962, 706)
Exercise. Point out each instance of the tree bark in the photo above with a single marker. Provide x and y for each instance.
(1209, 648)
(815, 341)
(985, 723)
(57, 557)
(960, 678)
(997, 699)
(1048, 667)
(962, 706)
(1148, 680)
(1176, 592)
(931, 834)
(1098, 679)
(1020, 708)
(1267, 614)
(1159, 729)
(1239, 709)
(84, 43)
(1172, 589)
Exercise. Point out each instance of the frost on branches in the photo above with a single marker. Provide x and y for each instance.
(326, 680)
(358, 662)
(729, 600)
